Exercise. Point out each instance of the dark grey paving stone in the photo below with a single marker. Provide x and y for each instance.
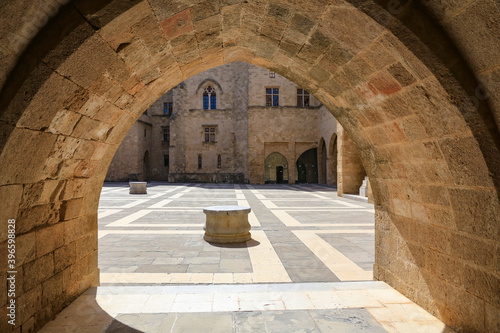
(203, 269)
(346, 321)
(303, 263)
(290, 321)
(249, 322)
(162, 269)
(311, 275)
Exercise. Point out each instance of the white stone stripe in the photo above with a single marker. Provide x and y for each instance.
(323, 209)
(290, 221)
(117, 199)
(107, 213)
(161, 204)
(348, 204)
(180, 194)
(129, 218)
(252, 219)
(269, 204)
(206, 199)
(157, 195)
(260, 196)
(340, 265)
(243, 203)
(287, 220)
(319, 196)
(117, 190)
(267, 266)
(135, 203)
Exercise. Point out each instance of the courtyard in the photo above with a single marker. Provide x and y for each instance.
(307, 268)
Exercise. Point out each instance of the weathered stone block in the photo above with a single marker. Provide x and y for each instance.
(28, 304)
(384, 83)
(49, 238)
(25, 248)
(79, 227)
(177, 24)
(480, 206)
(138, 188)
(64, 256)
(38, 270)
(71, 209)
(466, 167)
(10, 196)
(52, 288)
(401, 74)
(25, 142)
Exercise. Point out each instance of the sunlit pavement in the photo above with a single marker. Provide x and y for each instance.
(307, 268)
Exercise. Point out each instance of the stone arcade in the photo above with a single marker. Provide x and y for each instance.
(415, 84)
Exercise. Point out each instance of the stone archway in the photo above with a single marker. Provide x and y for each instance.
(76, 77)
(276, 169)
(307, 167)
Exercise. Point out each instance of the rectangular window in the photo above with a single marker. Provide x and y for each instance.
(219, 162)
(166, 134)
(209, 133)
(199, 161)
(166, 160)
(272, 97)
(302, 98)
(145, 132)
(167, 108)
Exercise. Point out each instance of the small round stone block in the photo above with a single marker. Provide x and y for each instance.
(227, 224)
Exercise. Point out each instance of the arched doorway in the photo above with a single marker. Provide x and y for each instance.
(307, 167)
(276, 169)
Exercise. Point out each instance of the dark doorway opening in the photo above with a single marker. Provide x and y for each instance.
(279, 175)
(307, 167)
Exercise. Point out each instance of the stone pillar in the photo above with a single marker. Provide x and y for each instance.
(350, 171)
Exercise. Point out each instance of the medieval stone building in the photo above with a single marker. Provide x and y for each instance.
(233, 123)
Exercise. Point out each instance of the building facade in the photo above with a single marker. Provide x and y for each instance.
(235, 123)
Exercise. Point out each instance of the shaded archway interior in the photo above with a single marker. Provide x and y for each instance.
(431, 154)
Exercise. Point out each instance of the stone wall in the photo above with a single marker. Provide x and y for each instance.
(128, 161)
(282, 130)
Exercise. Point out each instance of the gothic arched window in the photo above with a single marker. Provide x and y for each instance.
(209, 98)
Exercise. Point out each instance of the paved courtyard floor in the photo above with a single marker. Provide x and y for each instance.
(308, 267)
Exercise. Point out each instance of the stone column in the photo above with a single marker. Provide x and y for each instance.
(350, 171)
